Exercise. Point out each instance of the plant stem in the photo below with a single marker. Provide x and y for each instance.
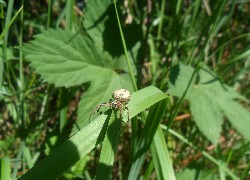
(126, 51)
(163, 4)
(21, 75)
(49, 13)
(69, 14)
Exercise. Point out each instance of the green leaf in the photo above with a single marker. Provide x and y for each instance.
(101, 24)
(238, 116)
(139, 103)
(86, 139)
(70, 152)
(67, 59)
(163, 157)
(109, 148)
(210, 101)
(197, 173)
(28, 157)
(100, 92)
(178, 80)
(207, 115)
(97, 13)
(7, 26)
(148, 136)
(5, 168)
(78, 169)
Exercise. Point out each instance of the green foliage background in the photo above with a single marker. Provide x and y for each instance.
(191, 63)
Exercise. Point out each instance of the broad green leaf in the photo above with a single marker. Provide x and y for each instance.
(210, 101)
(139, 103)
(207, 116)
(68, 59)
(238, 116)
(100, 92)
(197, 173)
(101, 24)
(86, 139)
(109, 148)
(179, 78)
(70, 152)
(97, 13)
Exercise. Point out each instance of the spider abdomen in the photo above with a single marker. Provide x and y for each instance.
(121, 95)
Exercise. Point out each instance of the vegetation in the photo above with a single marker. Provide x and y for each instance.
(186, 64)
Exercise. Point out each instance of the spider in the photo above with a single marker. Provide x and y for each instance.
(119, 101)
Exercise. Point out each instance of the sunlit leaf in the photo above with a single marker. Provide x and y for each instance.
(87, 138)
(68, 59)
(210, 102)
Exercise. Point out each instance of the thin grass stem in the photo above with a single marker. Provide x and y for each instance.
(126, 51)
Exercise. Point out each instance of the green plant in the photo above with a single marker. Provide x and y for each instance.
(196, 51)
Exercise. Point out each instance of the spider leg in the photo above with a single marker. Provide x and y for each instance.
(116, 105)
(97, 109)
(113, 104)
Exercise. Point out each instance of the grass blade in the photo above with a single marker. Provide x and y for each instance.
(151, 125)
(109, 148)
(10, 23)
(70, 152)
(91, 135)
(163, 156)
(5, 168)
